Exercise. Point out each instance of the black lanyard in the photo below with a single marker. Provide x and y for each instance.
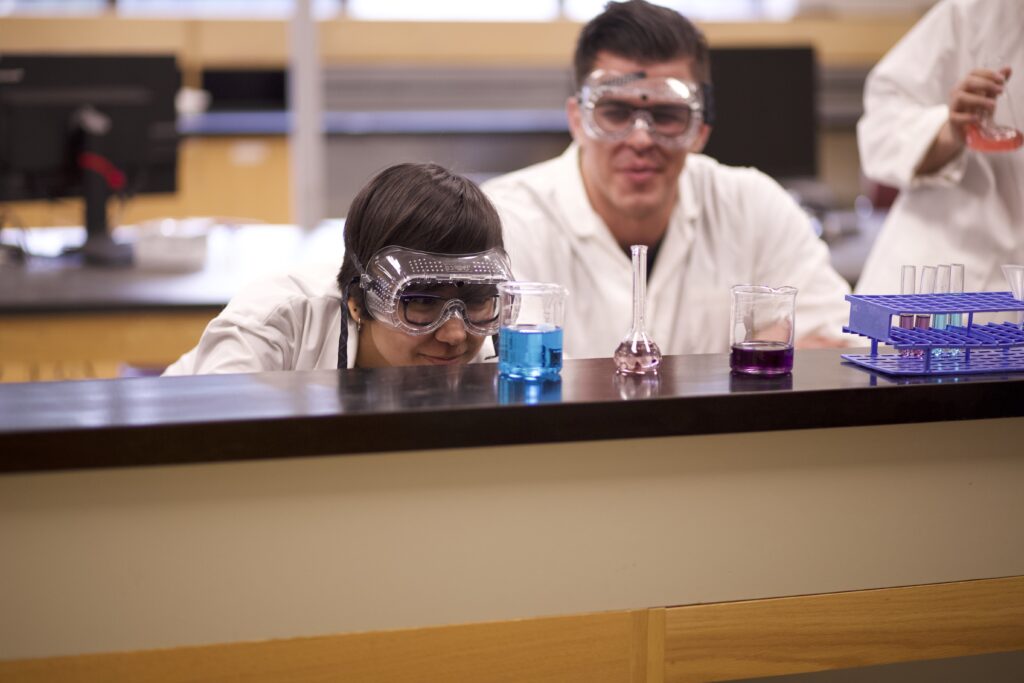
(343, 333)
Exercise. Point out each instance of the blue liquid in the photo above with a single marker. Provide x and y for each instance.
(528, 391)
(530, 352)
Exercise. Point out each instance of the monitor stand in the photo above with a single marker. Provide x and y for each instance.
(99, 178)
(102, 250)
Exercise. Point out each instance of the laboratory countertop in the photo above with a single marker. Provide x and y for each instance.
(153, 421)
(234, 255)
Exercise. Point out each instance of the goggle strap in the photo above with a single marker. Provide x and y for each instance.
(359, 268)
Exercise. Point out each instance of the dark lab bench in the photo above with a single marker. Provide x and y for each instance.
(151, 421)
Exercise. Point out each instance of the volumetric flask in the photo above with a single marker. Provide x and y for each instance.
(637, 354)
(762, 329)
(530, 337)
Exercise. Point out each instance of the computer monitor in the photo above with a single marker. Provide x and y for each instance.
(91, 127)
(765, 110)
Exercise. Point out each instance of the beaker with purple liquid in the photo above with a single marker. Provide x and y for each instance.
(762, 330)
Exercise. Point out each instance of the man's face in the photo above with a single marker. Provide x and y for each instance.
(633, 178)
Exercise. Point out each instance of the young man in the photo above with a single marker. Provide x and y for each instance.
(633, 176)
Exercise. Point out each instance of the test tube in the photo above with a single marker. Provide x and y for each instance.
(908, 277)
(924, 320)
(1014, 275)
(941, 320)
(956, 286)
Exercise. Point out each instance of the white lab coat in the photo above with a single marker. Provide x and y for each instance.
(287, 322)
(972, 210)
(731, 226)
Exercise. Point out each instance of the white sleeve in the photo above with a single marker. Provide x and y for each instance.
(905, 103)
(789, 253)
(248, 336)
(231, 345)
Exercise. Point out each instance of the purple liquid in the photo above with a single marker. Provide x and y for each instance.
(761, 358)
(907, 323)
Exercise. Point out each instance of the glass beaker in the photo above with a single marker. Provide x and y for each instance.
(530, 337)
(762, 329)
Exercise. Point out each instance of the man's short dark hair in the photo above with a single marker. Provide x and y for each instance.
(642, 32)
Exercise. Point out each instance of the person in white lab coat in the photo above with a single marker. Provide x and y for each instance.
(955, 204)
(633, 176)
(423, 255)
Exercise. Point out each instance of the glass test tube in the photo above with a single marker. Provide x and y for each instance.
(908, 277)
(1014, 275)
(941, 320)
(956, 286)
(924, 321)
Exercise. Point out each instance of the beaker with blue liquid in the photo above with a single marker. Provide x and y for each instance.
(530, 336)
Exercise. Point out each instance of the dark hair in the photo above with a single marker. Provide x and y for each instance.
(418, 206)
(642, 32)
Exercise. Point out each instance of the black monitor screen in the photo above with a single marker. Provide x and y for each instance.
(765, 110)
(92, 126)
(246, 89)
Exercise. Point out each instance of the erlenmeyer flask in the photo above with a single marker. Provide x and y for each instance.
(989, 136)
(638, 354)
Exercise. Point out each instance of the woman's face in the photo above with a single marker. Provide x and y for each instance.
(383, 346)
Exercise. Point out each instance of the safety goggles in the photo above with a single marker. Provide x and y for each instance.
(417, 291)
(613, 105)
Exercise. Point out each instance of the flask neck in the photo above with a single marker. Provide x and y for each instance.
(639, 254)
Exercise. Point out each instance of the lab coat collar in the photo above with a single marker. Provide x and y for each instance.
(584, 221)
(687, 206)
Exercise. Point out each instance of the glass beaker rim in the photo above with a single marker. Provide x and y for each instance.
(785, 290)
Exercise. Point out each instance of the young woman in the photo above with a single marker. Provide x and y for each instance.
(417, 286)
